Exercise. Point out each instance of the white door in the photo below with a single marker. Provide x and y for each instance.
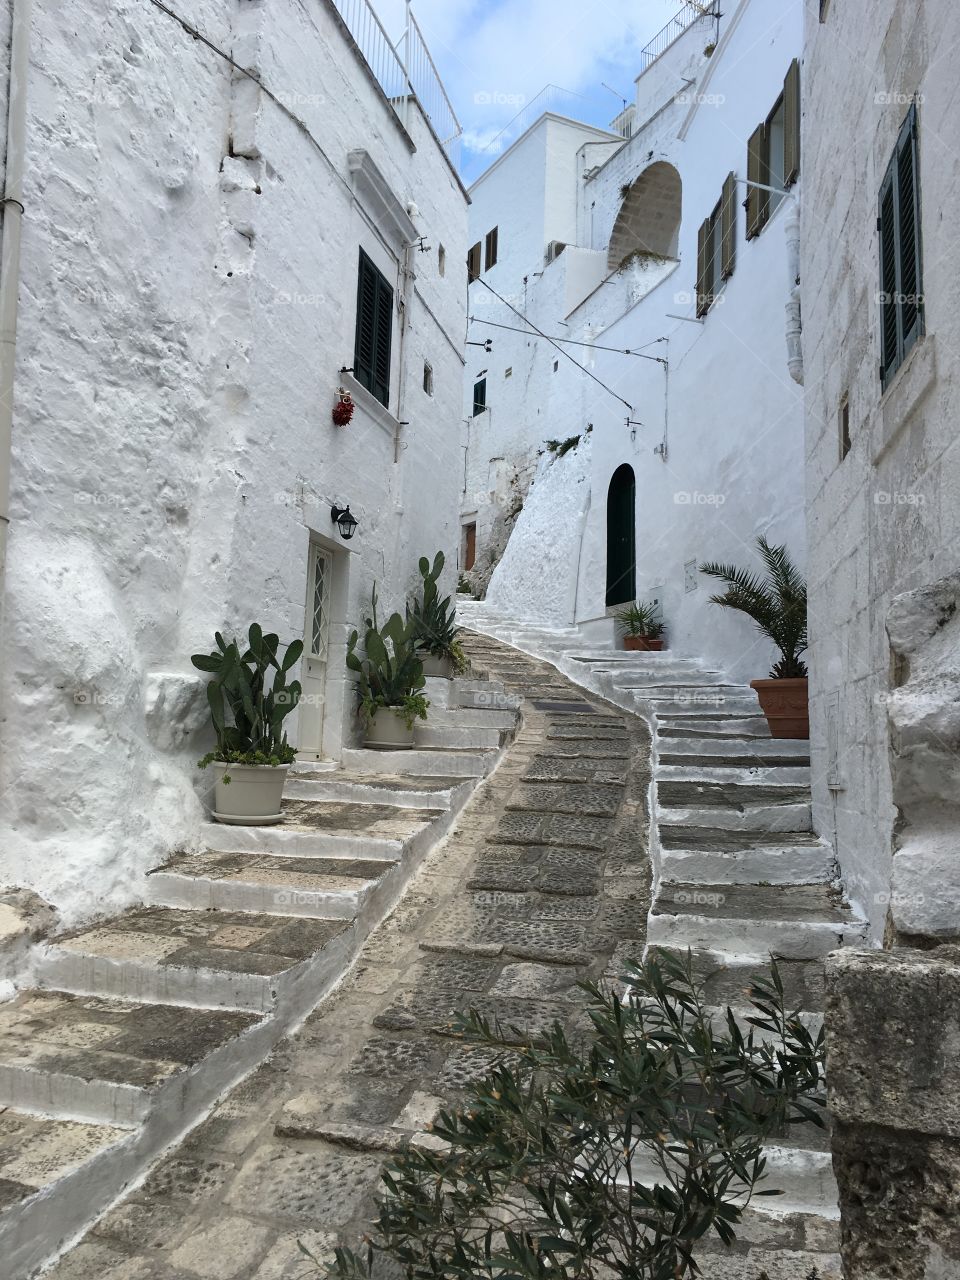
(316, 643)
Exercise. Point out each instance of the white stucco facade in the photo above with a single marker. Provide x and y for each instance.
(715, 438)
(188, 300)
(883, 520)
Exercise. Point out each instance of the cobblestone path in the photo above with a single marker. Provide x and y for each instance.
(543, 883)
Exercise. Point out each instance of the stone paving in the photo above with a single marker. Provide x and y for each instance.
(544, 882)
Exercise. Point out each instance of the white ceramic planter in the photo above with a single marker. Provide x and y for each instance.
(437, 667)
(252, 797)
(387, 731)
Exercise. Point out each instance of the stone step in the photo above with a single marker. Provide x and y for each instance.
(112, 1061)
(805, 1179)
(203, 959)
(402, 791)
(433, 732)
(433, 762)
(720, 729)
(727, 980)
(494, 698)
(795, 921)
(318, 888)
(51, 1171)
(326, 828)
(734, 776)
(671, 709)
(779, 818)
(718, 856)
(677, 676)
(752, 750)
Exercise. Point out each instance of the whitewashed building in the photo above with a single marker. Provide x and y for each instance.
(216, 230)
(667, 286)
(880, 260)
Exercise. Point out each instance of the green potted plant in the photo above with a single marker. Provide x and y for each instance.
(778, 606)
(390, 680)
(435, 626)
(641, 627)
(252, 755)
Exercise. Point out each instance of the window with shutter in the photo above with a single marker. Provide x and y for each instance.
(773, 155)
(728, 227)
(710, 260)
(901, 296)
(791, 124)
(371, 357)
(492, 247)
(473, 263)
(756, 171)
(479, 396)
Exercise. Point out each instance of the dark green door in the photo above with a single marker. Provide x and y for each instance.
(621, 545)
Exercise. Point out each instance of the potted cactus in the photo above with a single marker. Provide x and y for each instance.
(778, 606)
(252, 755)
(390, 680)
(641, 627)
(435, 627)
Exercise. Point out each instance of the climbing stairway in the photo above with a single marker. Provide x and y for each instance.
(739, 875)
(135, 1026)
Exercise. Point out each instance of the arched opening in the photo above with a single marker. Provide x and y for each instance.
(649, 218)
(621, 537)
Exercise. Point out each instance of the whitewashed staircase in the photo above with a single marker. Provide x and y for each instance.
(133, 1028)
(739, 875)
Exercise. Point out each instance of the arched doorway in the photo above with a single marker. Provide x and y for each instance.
(621, 537)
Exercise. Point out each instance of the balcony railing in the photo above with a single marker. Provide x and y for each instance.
(403, 71)
(690, 13)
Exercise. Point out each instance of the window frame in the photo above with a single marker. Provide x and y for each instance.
(371, 374)
(491, 248)
(474, 262)
(905, 336)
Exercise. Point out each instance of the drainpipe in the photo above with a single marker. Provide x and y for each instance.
(10, 252)
(794, 321)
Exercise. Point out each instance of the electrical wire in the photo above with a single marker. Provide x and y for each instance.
(546, 337)
(594, 346)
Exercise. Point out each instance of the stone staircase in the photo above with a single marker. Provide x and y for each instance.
(131, 1029)
(739, 874)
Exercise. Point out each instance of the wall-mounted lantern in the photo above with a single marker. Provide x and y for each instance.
(345, 521)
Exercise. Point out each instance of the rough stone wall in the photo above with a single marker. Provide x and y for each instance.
(188, 298)
(884, 519)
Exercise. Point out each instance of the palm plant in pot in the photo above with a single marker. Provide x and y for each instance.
(435, 626)
(390, 680)
(778, 606)
(641, 627)
(252, 755)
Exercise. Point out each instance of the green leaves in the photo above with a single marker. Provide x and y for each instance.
(777, 604)
(391, 673)
(257, 709)
(540, 1174)
(433, 618)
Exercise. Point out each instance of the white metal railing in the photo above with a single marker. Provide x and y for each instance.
(403, 70)
(683, 18)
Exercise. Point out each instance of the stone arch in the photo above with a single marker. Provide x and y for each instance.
(621, 537)
(649, 217)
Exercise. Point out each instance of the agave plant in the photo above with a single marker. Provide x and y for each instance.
(777, 604)
(256, 708)
(433, 618)
(391, 673)
(641, 619)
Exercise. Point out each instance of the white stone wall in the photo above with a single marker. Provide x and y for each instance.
(885, 519)
(730, 414)
(188, 296)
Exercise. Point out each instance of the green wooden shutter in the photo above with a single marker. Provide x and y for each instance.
(908, 217)
(889, 327)
(703, 240)
(791, 124)
(374, 333)
(728, 227)
(757, 202)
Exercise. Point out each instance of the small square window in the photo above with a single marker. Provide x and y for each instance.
(556, 365)
(508, 373)
(442, 260)
(844, 426)
(428, 377)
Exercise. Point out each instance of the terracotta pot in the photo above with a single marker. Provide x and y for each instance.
(784, 703)
(642, 644)
(252, 796)
(387, 731)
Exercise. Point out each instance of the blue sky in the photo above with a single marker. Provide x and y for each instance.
(495, 56)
